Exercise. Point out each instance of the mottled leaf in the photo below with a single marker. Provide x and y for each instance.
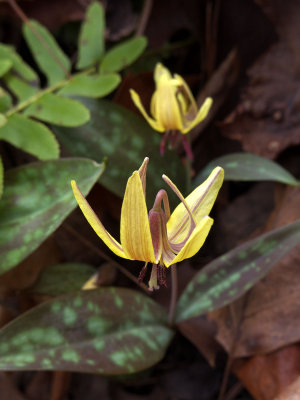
(91, 39)
(30, 136)
(48, 55)
(108, 331)
(20, 88)
(231, 275)
(5, 66)
(123, 54)
(5, 101)
(248, 167)
(126, 140)
(36, 199)
(64, 278)
(18, 65)
(58, 110)
(91, 85)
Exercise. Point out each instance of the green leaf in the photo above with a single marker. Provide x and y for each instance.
(107, 331)
(231, 275)
(48, 55)
(91, 85)
(36, 199)
(1, 177)
(5, 101)
(92, 36)
(126, 140)
(248, 167)
(63, 278)
(5, 66)
(124, 54)
(19, 66)
(58, 110)
(30, 136)
(3, 120)
(19, 87)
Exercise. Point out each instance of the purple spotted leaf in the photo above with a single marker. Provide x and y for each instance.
(231, 275)
(107, 331)
(36, 199)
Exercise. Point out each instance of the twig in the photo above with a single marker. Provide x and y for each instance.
(144, 17)
(105, 256)
(174, 289)
(26, 20)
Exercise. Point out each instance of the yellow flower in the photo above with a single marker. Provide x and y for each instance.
(173, 106)
(158, 237)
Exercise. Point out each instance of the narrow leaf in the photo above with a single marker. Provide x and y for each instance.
(58, 110)
(5, 66)
(48, 55)
(21, 89)
(91, 85)
(36, 199)
(123, 54)
(231, 275)
(3, 120)
(91, 38)
(19, 66)
(248, 167)
(108, 331)
(125, 139)
(5, 101)
(30, 136)
(63, 278)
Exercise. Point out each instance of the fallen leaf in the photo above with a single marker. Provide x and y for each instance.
(292, 392)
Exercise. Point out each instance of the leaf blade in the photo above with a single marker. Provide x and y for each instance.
(37, 197)
(123, 54)
(249, 167)
(109, 331)
(231, 275)
(91, 38)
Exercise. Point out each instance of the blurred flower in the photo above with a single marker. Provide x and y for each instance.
(160, 237)
(173, 106)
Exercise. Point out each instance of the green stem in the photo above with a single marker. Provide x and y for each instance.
(23, 104)
(174, 288)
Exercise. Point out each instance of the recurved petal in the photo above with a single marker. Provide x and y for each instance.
(135, 231)
(202, 113)
(200, 202)
(194, 243)
(161, 71)
(137, 101)
(96, 224)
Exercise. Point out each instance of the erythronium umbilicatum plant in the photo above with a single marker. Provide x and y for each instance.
(173, 108)
(161, 238)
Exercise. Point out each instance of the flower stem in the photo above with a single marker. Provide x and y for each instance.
(174, 291)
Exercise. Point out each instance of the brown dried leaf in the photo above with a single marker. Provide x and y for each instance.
(267, 119)
(292, 392)
(271, 314)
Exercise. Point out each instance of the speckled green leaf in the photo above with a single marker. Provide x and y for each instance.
(30, 136)
(123, 54)
(19, 66)
(126, 140)
(5, 101)
(62, 278)
(58, 110)
(91, 38)
(5, 66)
(1, 177)
(36, 199)
(20, 88)
(248, 167)
(48, 55)
(91, 85)
(108, 331)
(231, 275)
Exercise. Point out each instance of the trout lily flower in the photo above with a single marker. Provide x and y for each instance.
(173, 108)
(160, 238)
